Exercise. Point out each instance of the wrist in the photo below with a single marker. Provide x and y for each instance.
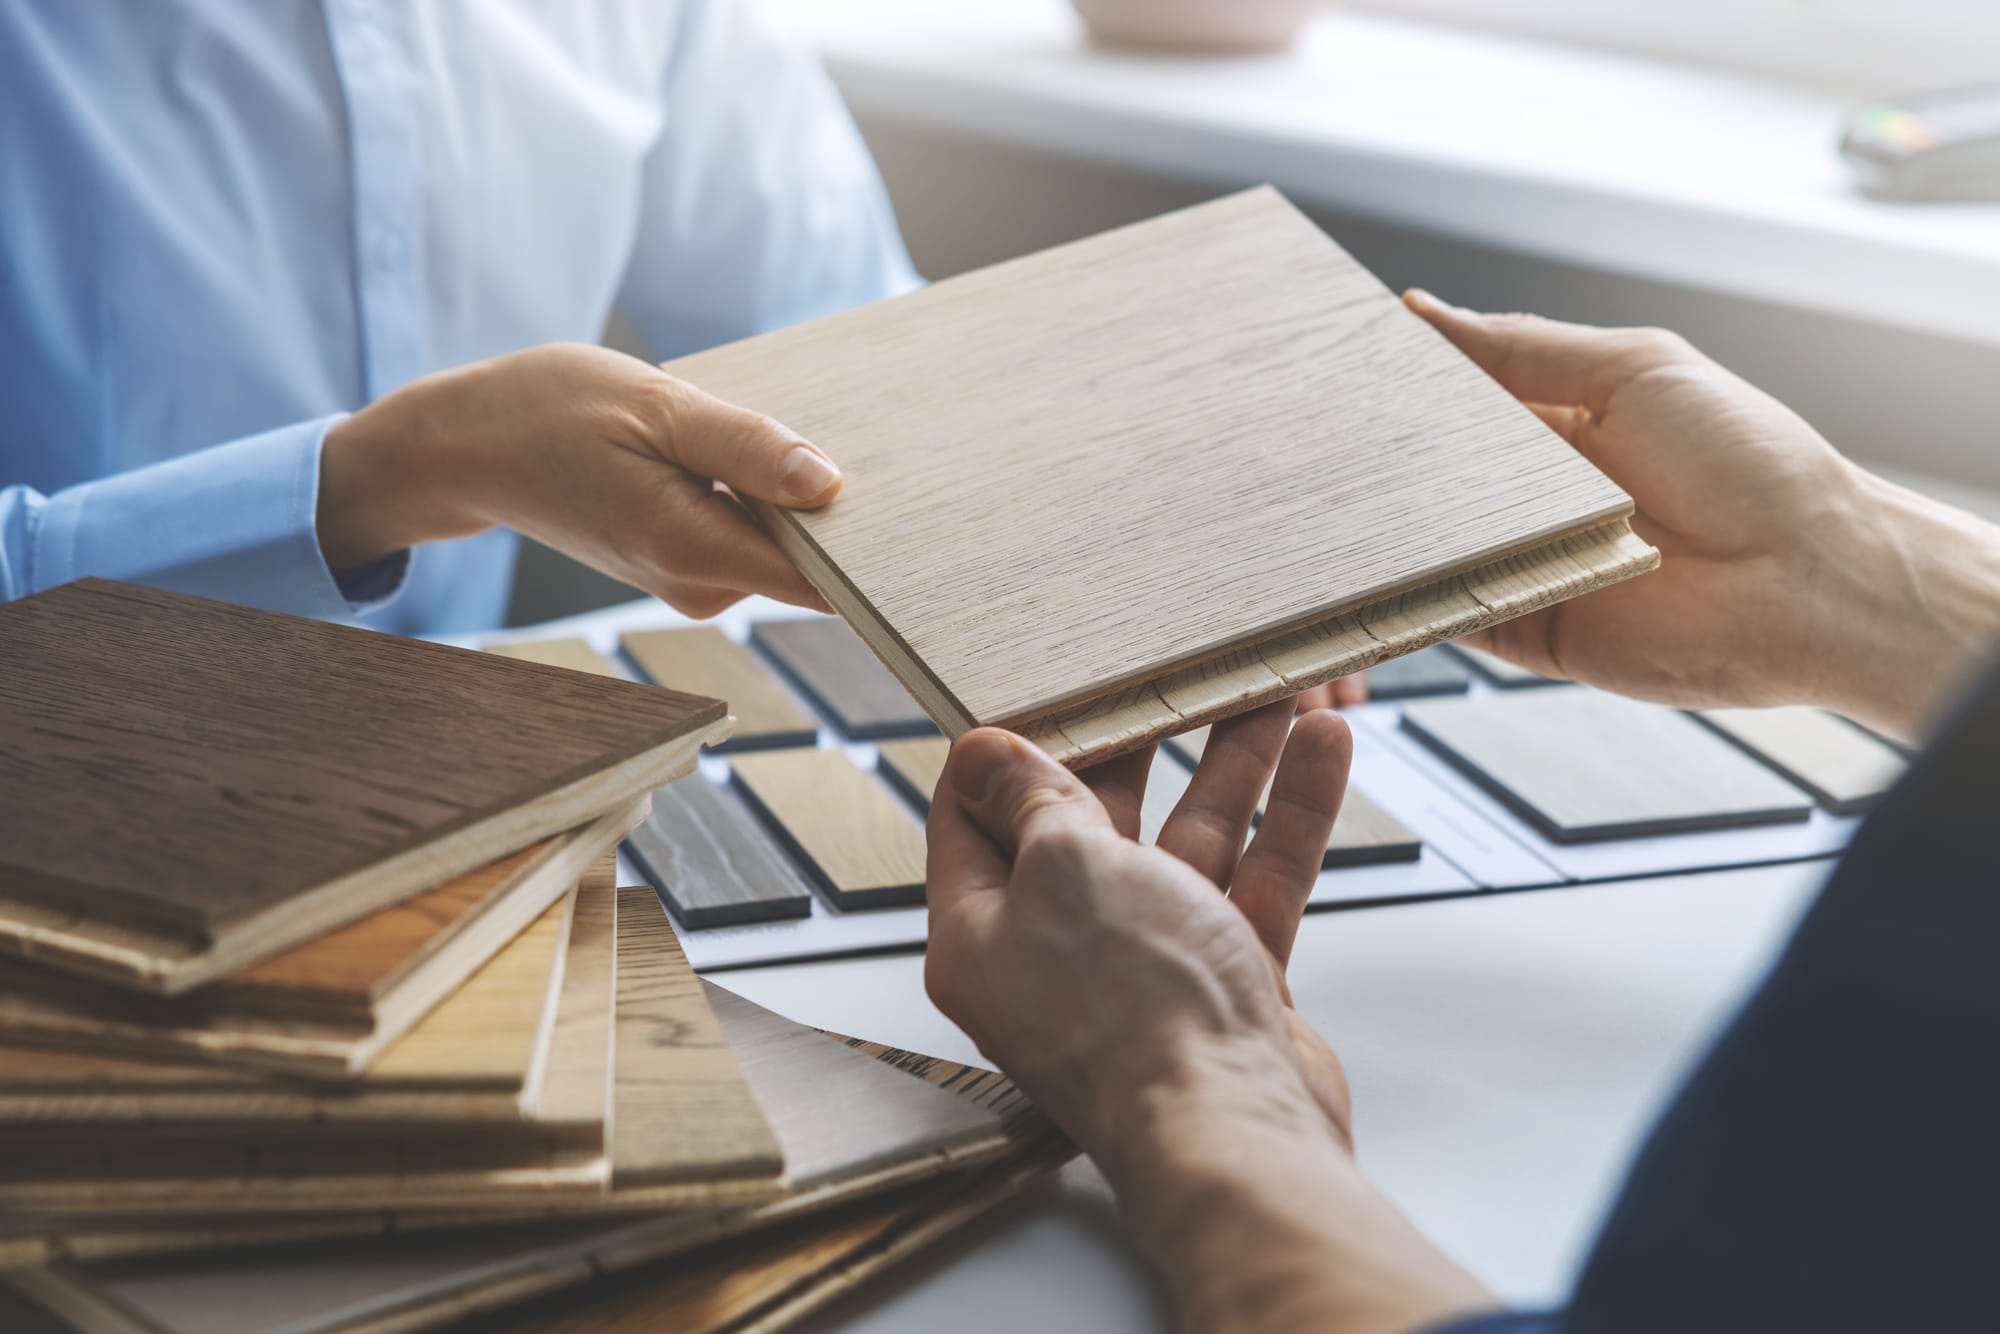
(385, 484)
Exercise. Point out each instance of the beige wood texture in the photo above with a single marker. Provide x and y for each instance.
(682, 1110)
(701, 659)
(1148, 473)
(1846, 769)
(575, 654)
(861, 846)
(1579, 764)
(1363, 835)
(576, 1086)
(914, 766)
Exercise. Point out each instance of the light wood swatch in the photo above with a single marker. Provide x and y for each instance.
(703, 660)
(711, 860)
(861, 847)
(914, 767)
(691, 1116)
(1363, 835)
(188, 787)
(573, 654)
(1431, 671)
(1578, 764)
(1846, 769)
(1083, 488)
(576, 1085)
(839, 672)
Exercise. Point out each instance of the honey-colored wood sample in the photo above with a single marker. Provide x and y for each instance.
(574, 654)
(329, 1007)
(713, 862)
(1363, 835)
(839, 672)
(1148, 479)
(703, 660)
(691, 1116)
(914, 767)
(1846, 769)
(189, 787)
(861, 847)
(1579, 765)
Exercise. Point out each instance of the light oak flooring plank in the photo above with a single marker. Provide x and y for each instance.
(863, 849)
(914, 767)
(703, 660)
(574, 654)
(1846, 769)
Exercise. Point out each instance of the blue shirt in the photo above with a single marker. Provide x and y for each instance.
(225, 223)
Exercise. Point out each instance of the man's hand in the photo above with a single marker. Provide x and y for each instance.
(595, 453)
(1787, 574)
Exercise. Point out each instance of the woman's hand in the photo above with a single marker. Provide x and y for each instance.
(1137, 994)
(595, 453)
(1787, 574)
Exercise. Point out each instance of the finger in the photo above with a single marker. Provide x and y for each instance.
(747, 451)
(1121, 785)
(1348, 691)
(1278, 872)
(1211, 820)
(704, 537)
(1319, 697)
(1566, 422)
(1012, 791)
(1546, 361)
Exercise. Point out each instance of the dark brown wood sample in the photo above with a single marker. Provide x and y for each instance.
(713, 862)
(1579, 764)
(1431, 671)
(861, 847)
(913, 767)
(839, 672)
(187, 787)
(704, 660)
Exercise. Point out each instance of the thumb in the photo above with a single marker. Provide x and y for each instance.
(750, 453)
(1014, 792)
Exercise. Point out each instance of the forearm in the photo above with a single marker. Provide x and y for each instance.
(384, 485)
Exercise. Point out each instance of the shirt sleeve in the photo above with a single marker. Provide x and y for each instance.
(234, 522)
(760, 205)
(1501, 1322)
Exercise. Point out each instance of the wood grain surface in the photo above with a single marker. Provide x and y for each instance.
(713, 862)
(682, 1108)
(1363, 835)
(862, 848)
(577, 1078)
(269, 778)
(1432, 671)
(838, 671)
(703, 660)
(1846, 769)
(1094, 467)
(1579, 764)
(914, 767)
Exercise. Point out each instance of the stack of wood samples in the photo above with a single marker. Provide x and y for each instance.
(1136, 483)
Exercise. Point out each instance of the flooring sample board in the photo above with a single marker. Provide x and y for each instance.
(1846, 769)
(189, 787)
(682, 1109)
(840, 673)
(1496, 669)
(703, 660)
(1581, 765)
(1363, 835)
(914, 767)
(1081, 487)
(713, 862)
(861, 847)
(575, 654)
(1431, 671)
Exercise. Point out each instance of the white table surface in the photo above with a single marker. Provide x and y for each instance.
(1507, 1054)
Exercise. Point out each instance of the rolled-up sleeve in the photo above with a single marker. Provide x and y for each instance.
(234, 522)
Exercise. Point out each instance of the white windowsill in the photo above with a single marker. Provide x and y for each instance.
(1719, 181)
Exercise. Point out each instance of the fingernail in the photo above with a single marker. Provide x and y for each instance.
(806, 474)
(982, 765)
(1424, 303)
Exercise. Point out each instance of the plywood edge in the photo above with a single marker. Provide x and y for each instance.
(131, 959)
(1244, 678)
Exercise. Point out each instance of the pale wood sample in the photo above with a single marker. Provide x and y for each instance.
(1363, 834)
(330, 1007)
(914, 767)
(1431, 671)
(577, 1076)
(189, 787)
(703, 660)
(839, 672)
(1846, 769)
(713, 862)
(861, 847)
(574, 654)
(1579, 764)
(686, 1112)
(1154, 477)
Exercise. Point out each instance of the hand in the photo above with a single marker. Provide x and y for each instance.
(595, 453)
(1337, 694)
(1787, 574)
(1137, 994)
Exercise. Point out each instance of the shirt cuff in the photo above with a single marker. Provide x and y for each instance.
(236, 522)
(1501, 1322)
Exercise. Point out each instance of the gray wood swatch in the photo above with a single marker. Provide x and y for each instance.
(1581, 765)
(839, 673)
(1430, 671)
(1846, 769)
(711, 860)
